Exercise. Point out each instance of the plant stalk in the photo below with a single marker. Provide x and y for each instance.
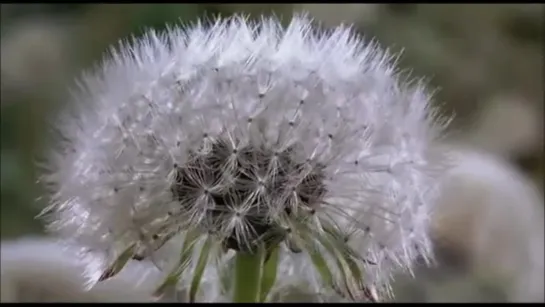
(248, 274)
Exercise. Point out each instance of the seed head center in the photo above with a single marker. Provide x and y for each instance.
(269, 184)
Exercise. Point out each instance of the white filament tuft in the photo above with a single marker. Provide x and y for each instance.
(249, 132)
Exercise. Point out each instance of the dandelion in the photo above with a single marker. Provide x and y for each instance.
(484, 198)
(44, 270)
(276, 154)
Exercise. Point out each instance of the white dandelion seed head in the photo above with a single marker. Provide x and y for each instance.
(43, 270)
(249, 132)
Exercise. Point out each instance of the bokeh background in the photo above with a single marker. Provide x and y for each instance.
(486, 62)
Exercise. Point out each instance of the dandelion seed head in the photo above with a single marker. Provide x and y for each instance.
(244, 191)
(250, 133)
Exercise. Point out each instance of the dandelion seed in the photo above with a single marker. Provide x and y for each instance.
(245, 136)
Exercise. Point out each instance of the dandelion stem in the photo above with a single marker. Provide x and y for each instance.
(268, 277)
(248, 273)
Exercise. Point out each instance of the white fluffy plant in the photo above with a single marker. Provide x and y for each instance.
(280, 156)
(44, 270)
(494, 214)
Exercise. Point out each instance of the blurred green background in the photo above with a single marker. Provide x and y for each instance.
(485, 60)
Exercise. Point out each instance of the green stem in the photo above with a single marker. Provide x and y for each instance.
(248, 272)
